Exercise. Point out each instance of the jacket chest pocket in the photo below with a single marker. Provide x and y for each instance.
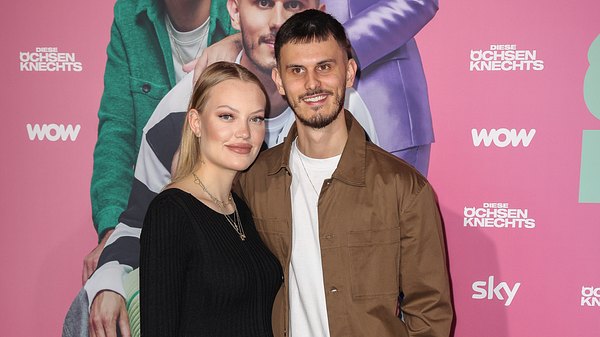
(374, 262)
(146, 90)
(271, 233)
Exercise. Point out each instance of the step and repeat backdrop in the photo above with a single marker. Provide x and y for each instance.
(514, 90)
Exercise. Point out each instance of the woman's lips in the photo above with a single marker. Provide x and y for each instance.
(240, 148)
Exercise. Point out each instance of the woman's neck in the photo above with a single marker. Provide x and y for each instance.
(217, 181)
(187, 15)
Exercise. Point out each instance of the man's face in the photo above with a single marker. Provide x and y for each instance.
(314, 77)
(259, 21)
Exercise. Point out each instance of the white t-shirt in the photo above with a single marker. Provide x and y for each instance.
(308, 309)
(186, 46)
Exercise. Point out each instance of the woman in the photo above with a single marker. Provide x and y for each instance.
(203, 269)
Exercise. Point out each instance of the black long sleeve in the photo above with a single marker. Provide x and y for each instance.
(197, 278)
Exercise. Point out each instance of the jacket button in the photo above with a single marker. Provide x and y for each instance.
(333, 290)
(329, 236)
(146, 88)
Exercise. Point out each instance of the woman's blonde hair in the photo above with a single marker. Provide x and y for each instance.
(189, 148)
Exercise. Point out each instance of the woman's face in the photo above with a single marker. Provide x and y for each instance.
(232, 127)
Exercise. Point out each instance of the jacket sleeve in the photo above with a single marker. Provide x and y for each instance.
(121, 253)
(163, 256)
(426, 306)
(115, 150)
(385, 26)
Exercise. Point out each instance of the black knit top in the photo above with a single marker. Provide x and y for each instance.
(197, 278)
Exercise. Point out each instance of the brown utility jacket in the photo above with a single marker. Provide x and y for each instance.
(380, 235)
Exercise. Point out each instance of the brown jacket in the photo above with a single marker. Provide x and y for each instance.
(380, 234)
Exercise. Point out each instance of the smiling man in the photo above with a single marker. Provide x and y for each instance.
(258, 22)
(356, 229)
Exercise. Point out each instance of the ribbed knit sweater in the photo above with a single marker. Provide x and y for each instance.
(198, 278)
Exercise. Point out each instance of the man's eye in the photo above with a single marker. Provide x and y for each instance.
(324, 67)
(296, 70)
(294, 6)
(264, 3)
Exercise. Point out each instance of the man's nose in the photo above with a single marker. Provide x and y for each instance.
(278, 16)
(312, 80)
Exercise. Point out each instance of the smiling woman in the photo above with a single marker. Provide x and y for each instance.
(201, 257)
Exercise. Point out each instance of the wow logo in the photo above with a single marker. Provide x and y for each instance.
(589, 183)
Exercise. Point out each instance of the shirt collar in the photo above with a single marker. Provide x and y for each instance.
(352, 166)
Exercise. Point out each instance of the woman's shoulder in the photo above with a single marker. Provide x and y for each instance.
(171, 196)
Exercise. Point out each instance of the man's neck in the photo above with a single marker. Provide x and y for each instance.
(187, 15)
(323, 143)
(278, 104)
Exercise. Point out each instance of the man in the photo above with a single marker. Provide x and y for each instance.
(391, 79)
(356, 229)
(150, 42)
(258, 23)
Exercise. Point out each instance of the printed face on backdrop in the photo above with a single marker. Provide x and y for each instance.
(231, 126)
(314, 77)
(259, 21)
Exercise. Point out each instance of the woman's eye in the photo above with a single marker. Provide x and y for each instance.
(257, 120)
(226, 117)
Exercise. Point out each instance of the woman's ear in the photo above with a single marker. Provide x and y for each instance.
(195, 122)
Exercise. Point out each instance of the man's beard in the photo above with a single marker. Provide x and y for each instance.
(250, 48)
(319, 120)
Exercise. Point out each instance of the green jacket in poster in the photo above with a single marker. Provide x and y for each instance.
(139, 72)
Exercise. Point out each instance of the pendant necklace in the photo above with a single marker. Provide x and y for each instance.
(236, 221)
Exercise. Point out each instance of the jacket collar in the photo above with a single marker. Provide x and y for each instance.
(351, 168)
(219, 16)
(152, 8)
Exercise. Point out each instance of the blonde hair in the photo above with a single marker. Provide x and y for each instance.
(189, 147)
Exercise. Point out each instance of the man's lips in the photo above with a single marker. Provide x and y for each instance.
(315, 99)
(269, 40)
(241, 148)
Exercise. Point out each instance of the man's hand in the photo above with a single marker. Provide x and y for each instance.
(224, 50)
(108, 310)
(90, 261)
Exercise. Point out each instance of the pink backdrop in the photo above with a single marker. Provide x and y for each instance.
(542, 274)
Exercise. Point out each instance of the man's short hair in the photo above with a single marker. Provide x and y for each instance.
(311, 25)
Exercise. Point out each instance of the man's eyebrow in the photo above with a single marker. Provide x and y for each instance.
(326, 61)
(331, 60)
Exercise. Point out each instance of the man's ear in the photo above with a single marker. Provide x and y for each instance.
(351, 73)
(233, 8)
(276, 76)
(195, 122)
(322, 8)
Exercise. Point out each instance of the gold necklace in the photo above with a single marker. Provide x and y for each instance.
(219, 202)
(236, 222)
